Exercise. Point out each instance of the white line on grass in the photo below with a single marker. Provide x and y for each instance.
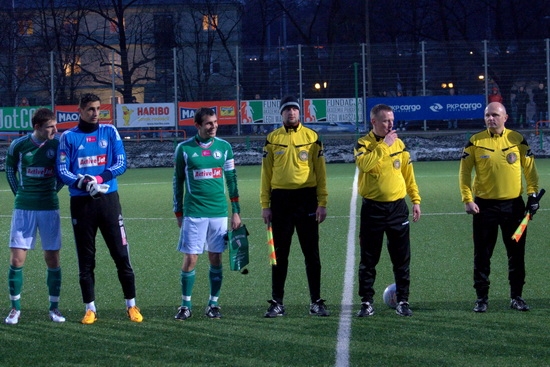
(344, 326)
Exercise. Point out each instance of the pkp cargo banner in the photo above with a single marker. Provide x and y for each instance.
(433, 107)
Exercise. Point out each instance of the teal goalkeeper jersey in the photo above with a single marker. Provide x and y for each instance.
(30, 170)
(202, 171)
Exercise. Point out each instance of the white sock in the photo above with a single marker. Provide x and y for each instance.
(130, 302)
(90, 306)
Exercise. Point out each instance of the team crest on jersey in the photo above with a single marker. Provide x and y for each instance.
(103, 143)
(217, 154)
(511, 158)
(50, 153)
(303, 155)
(397, 164)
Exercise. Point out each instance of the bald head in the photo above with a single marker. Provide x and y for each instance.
(496, 105)
(495, 117)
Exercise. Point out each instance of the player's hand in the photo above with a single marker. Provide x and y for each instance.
(471, 208)
(416, 212)
(83, 181)
(96, 189)
(266, 215)
(532, 205)
(235, 221)
(390, 138)
(320, 214)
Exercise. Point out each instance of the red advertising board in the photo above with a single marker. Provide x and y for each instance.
(226, 112)
(68, 116)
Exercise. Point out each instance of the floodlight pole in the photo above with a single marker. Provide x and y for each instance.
(175, 66)
(52, 81)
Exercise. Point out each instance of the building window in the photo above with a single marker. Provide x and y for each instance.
(209, 68)
(24, 27)
(73, 67)
(116, 67)
(70, 26)
(113, 26)
(215, 68)
(209, 22)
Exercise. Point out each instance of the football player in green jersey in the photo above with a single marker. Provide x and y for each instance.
(204, 164)
(31, 174)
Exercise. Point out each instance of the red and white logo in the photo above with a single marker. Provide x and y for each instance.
(93, 161)
(207, 173)
(40, 172)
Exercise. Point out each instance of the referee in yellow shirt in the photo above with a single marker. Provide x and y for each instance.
(386, 176)
(498, 156)
(294, 196)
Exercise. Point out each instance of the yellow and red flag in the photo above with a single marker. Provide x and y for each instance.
(521, 228)
(271, 246)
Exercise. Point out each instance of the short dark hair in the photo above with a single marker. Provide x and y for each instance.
(87, 98)
(201, 112)
(378, 108)
(41, 116)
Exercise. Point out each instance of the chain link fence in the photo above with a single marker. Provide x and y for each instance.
(342, 71)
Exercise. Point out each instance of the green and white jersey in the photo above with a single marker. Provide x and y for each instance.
(201, 167)
(30, 170)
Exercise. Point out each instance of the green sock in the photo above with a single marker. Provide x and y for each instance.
(187, 282)
(15, 284)
(53, 280)
(216, 277)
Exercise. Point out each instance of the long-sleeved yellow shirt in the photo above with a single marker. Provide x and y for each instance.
(498, 161)
(293, 159)
(385, 173)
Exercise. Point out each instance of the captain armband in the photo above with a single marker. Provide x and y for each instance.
(235, 206)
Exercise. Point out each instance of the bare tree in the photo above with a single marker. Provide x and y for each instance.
(58, 34)
(119, 35)
(208, 35)
(16, 63)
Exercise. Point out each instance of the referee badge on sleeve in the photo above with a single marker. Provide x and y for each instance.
(397, 164)
(303, 155)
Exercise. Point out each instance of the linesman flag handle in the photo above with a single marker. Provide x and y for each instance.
(271, 246)
(521, 228)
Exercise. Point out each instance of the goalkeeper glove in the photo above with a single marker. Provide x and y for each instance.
(532, 205)
(96, 189)
(84, 181)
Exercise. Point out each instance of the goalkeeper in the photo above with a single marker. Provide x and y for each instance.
(91, 156)
(498, 155)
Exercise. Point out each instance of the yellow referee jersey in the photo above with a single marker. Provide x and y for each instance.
(385, 173)
(293, 159)
(498, 161)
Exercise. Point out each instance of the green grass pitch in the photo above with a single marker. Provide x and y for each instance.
(443, 331)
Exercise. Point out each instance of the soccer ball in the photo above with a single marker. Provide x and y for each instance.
(389, 296)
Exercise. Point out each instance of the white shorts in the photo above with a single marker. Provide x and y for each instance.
(25, 223)
(202, 234)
